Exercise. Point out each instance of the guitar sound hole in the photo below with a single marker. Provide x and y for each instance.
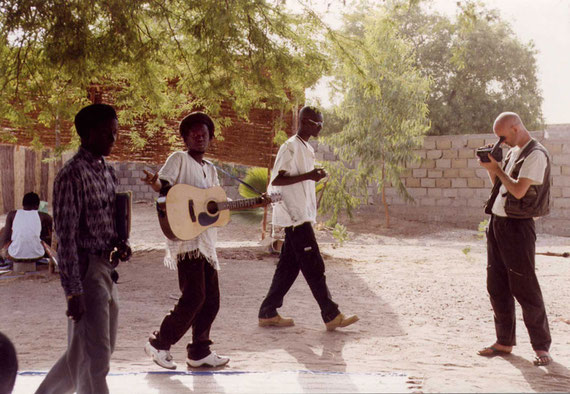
(212, 207)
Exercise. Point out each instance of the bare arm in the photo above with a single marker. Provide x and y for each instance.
(6, 234)
(282, 179)
(517, 187)
(47, 227)
(152, 180)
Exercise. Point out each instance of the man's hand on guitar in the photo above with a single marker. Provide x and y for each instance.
(187, 211)
(265, 200)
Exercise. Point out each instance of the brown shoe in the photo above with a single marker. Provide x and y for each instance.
(276, 321)
(341, 321)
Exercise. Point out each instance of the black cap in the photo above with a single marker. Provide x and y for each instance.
(196, 118)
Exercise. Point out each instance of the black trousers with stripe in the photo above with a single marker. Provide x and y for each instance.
(300, 253)
(197, 308)
(511, 275)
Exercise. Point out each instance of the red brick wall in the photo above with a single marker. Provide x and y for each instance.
(244, 142)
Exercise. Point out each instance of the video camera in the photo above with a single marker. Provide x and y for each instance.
(494, 150)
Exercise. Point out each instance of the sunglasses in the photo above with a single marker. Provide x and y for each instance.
(320, 124)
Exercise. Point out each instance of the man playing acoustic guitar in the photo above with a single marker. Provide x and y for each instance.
(195, 259)
(294, 175)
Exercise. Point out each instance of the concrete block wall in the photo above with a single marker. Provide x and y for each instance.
(447, 183)
(129, 175)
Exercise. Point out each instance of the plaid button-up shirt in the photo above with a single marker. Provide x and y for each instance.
(84, 214)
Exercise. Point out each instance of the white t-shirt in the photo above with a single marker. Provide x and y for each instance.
(180, 167)
(26, 230)
(532, 168)
(299, 203)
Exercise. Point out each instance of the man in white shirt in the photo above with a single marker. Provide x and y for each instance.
(195, 259)
(25, 230)
(521, 192)
(294, 176)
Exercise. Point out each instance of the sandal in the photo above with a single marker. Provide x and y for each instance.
(542, 360)
(491, 351)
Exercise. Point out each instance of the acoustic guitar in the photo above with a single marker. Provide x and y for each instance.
(187, 211)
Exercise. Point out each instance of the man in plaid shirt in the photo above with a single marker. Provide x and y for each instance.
(84, 217)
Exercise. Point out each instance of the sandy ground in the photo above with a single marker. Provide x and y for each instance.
(418, 288)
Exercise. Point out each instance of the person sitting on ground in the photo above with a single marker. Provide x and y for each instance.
(25, 230)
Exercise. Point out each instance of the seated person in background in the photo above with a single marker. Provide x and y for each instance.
(25, 229)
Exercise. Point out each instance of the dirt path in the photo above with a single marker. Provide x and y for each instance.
(419, 290)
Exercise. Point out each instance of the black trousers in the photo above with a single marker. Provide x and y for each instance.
(300, 252)
(197, 308)
(511, 275)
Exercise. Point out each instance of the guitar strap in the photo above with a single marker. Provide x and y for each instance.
(235, 177)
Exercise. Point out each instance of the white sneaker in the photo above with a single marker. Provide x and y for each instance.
(211, 360)
(162, 358)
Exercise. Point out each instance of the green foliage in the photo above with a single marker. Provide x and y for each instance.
(156, 59)
(466, 251)
(256, 177)
(279, 127)
(320, 185)
(338, 195)
(482, 229)
(7, 138)
(383, 108)
(280, 138)
(477, 65)
(340, 233)
(252, 216)
(333, 122)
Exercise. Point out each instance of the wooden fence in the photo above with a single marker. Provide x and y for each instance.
(26, 170)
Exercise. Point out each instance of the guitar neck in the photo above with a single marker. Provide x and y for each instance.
(239, 204)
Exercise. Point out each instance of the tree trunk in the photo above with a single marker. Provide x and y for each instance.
(265, 208)
(383, 191)
(57, 127)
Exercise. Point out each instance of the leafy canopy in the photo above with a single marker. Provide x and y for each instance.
(383, 108)
(157, 59)
(478, 66)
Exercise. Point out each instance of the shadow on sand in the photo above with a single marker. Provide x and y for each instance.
(551, 378)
